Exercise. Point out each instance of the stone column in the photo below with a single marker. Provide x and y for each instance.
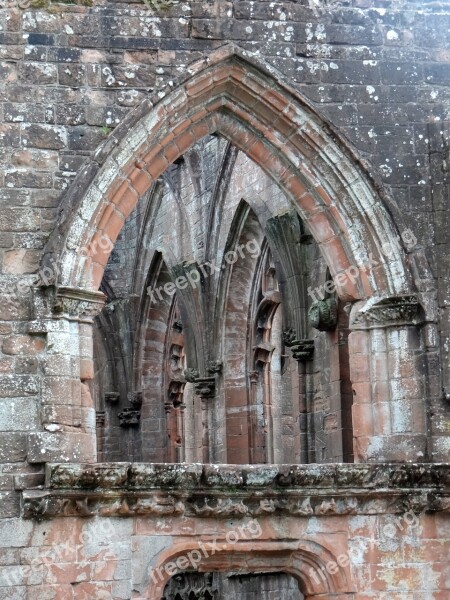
(65, 317)
(205, 390)
(387, 355)
(302, 352)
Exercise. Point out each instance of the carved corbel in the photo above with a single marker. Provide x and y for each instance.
(100, 419)
(72, 303)
(302, 350)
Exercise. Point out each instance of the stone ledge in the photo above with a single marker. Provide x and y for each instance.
(191, 476)
(222, 491)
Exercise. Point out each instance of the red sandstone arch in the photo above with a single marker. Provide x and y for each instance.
(314, 567)
(246, 102)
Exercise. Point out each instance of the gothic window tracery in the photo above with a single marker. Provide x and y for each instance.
(225, 353)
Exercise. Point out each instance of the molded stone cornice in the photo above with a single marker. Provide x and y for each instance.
(386, 312)
(222, 491)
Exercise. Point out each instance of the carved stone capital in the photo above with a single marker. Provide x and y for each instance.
(72, 303)
(254, 376)
(78, 303)
(289, 336)
(205, 387)
(302, 350)
(391, 311)
(129, 417)
(175, 395)
(178, 326)
(214, 366)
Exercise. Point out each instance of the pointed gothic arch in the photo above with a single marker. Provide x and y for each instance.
(247, 102)
(233, 95)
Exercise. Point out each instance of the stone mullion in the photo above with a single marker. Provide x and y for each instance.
(170, 432)
(262, 444)
(205, 430)
(254, 377)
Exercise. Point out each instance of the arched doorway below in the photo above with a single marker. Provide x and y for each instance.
(232, 586)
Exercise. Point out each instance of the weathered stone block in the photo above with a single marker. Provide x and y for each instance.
(9, 504)
(19, 414)
(52, 137)
(71, 74)
(61, 446)
(18, 385)
(37, 73)
(15, 533)
(13, 447)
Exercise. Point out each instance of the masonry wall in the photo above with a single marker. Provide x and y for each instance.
(378, 73)
(388, 556)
